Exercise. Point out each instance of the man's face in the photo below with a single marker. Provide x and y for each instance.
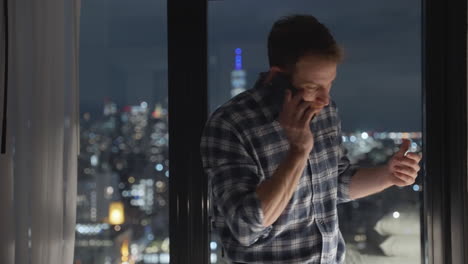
(315, 76)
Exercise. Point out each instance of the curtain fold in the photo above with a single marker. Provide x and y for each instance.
(39, 168)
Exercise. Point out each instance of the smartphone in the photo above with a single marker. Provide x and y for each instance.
(282, 81)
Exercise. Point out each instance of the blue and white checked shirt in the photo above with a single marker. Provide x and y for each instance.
(242, 145)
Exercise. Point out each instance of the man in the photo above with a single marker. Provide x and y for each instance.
(275, 160)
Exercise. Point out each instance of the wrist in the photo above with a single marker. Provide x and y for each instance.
(386, 177)
(298, 152)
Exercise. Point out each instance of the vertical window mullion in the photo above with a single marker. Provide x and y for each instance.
(445, 128)
(187, 58)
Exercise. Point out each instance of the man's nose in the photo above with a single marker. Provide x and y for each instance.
(323, 98)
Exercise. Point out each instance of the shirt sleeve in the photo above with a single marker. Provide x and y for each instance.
(345, 170)
(233, 178)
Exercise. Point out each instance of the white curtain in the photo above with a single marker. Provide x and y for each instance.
(38, 170)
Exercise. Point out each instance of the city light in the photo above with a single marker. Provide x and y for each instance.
(396, 215)
(93, 243)
(109, 190)
(213, 258)
(151, 258)
(159, 184)
(91, 229)
(124, 251)
(360, 238)
(159, 167)
(238, 75)
(164, 258)
(116, 213)
(364, 135)
(165, 245)
(94, 160)
(238, 52)
(213, 245)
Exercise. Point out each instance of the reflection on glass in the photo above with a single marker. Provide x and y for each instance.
(122, 207)
(377, 91)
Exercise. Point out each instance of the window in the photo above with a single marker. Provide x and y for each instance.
(123, 178)
(378, 92)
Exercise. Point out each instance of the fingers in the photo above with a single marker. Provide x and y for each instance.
(301, 109)
(414, 156)
(410, 171)
(404, 178)
(403, 147)
(297, 110)
(412, 163)
(307, 116)
(291, 101)
(297, 97)
(405, 168)
(399, 182)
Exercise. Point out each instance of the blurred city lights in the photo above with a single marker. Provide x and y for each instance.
(213, 245)
(213, 258)
(116, 213)
(364, 135)
(159, 167)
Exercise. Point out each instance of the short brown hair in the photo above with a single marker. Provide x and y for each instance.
(293, 37)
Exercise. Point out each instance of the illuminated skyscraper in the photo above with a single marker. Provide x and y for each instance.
(238, 75)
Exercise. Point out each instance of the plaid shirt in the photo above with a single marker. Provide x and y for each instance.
(242, 145)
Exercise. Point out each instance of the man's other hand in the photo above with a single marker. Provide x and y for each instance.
(403, 167)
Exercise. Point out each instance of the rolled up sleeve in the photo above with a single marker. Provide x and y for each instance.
(233, 178)
(346, 170)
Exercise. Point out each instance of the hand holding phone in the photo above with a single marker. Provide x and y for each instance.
(295, 118)
(283, 81)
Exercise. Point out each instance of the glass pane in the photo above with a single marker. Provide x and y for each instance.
(377, 91)
(123, 214)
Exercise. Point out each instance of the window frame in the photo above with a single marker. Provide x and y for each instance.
(188, 111)
(445, 131)
(445, 206)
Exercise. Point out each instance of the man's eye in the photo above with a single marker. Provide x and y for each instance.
(313, 87)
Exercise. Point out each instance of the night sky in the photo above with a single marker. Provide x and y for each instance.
(378, 87)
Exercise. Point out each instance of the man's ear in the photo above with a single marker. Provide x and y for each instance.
(272, 72)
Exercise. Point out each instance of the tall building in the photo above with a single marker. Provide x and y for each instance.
(238, 75)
